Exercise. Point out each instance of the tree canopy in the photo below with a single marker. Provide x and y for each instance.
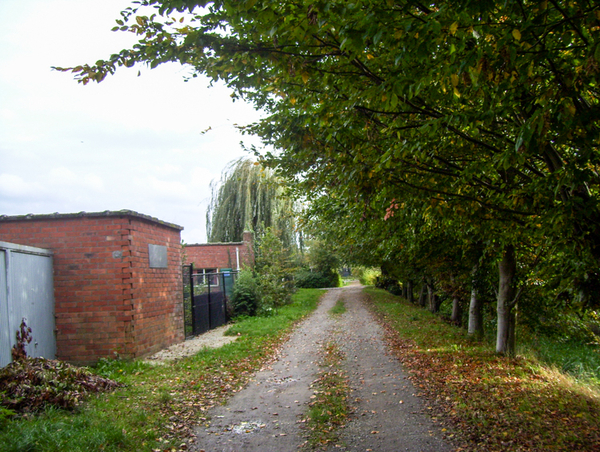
(476, 117)
(249, 197)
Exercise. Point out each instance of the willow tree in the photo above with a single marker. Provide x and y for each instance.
(249, 197)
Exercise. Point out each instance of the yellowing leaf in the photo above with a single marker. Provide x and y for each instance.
(370, 56)
(305, 77)
(516, 34)
(453, 28)
(293, 100)
(454, 80)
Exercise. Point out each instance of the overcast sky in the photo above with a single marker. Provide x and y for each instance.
(127, 143)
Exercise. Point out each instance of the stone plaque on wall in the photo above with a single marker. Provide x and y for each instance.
(157, 255)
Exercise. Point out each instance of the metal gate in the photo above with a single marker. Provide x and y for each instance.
(26, 293)
(205, 299)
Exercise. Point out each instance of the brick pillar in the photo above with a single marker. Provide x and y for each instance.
(248, 239)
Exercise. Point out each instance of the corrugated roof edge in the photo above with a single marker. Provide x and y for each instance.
(106, 213)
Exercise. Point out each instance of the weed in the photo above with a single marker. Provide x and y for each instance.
(330, 409)
(24, 337)
(339, 308)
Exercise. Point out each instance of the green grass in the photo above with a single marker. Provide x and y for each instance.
(495, 402)
(582, 361)
(339, 308)
(160, 405)
(330, 408)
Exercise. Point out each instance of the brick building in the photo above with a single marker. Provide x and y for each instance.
(211, 257)
(117, 280)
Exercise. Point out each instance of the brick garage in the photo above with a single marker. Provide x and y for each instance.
(108, 297)
(214, 256)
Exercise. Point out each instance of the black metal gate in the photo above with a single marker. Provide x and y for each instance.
(205, 299)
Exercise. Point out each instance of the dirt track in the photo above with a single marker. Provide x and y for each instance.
(266, 415)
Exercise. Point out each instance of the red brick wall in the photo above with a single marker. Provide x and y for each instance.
(105, 294)
(221, 255)
(156, 292)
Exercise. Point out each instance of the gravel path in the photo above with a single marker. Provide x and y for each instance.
(211, 339)
(267, 414)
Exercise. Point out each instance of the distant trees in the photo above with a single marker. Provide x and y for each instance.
(249, 197)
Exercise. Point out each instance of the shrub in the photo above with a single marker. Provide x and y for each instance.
(245, 298)
(388, 283)
(312, 280)
(324, 264)
(275, 271)
(367, 276)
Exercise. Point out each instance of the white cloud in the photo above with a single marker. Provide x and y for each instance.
(13, 186)
(128, 143)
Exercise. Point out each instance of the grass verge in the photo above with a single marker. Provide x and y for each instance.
(329, 409)
(161, 404)
(492, 403)
(339, 308)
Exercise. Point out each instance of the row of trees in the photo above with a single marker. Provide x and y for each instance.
(437, 138)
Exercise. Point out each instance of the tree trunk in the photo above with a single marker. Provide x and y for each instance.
(456, 311)
(505, 339)
(422, 295)
(409, 292)
(475, 328)
(432, 297)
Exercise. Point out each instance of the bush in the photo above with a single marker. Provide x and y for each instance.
(316, 280)
(388, 283)
(366, 276)
(275, 272)
(245, 298)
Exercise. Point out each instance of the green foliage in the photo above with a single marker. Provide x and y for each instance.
(339, 308)
(245, 298)
(322, 258)
(323, 263)
(275, 270)
(419, 133)
(366, 276)
(5, 415)
(55, 430)
(119, 369)
(307, 279)
(578, 359)
(249, 198)
(388, 283)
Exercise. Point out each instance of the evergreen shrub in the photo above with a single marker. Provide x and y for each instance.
(306, 279)
(245, 298)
